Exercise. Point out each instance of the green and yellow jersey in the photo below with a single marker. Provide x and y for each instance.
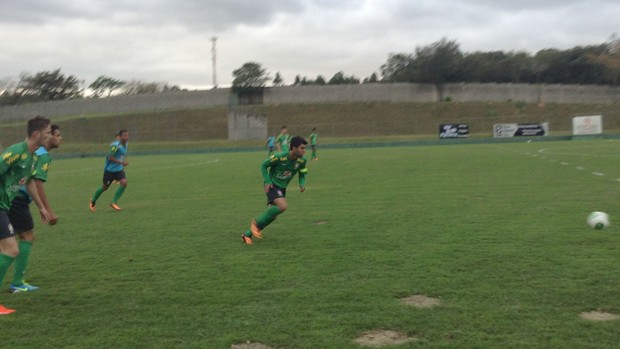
(278, 170)
(16, 168)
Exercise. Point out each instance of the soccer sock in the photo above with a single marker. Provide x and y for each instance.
(314, 154)
(268, 216)
(119, 193)
(97, 194)
(5, 263)
(21, 261)
(248, 233)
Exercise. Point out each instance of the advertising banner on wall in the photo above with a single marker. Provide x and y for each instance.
(587, 125)
(520, 130)
(453, 131)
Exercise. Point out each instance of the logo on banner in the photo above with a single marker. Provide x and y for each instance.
(454, 131)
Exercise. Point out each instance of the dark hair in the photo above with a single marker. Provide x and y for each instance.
(283, 127)
(297, 141)
(120, 133)
(38, 123)
(314, 129)
(55, 128)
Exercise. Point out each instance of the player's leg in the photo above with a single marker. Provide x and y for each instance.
(314, 152)
(8, 251)
(276, 204)
(23, 226)
(122, 180)
(108, 177)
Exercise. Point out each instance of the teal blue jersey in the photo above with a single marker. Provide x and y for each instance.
(117, 151)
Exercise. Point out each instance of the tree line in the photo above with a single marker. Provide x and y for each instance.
(439, 63)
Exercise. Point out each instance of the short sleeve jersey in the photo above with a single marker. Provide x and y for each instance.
(117, 151)
(283, 139)
(41, 167)
(271, 141)
(16, 168)
(281, 169)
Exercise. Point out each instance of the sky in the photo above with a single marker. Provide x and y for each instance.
(169, 41)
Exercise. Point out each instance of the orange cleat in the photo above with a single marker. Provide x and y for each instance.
(91, 206)
(115, 207)
(246, 239)
(255, 230)
(5, 311)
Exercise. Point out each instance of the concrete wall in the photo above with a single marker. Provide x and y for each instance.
(398, 93)
(244, 126)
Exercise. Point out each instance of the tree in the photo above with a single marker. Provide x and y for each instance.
(320, 80)
(42, 86)
(438, 63)
(104, 84)
(251, 76)
(398, 68)
(371, 79)
(340, 79)
(277, 81)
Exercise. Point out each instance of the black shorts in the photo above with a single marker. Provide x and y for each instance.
(6, 229)
(109, 177)
(20, 216)
(313, 146)
(275, 193)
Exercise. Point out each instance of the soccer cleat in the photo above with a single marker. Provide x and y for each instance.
(5, 311)
(246, 239)
(25, 287)
(255, 230)
(91, 205)
(115, 207)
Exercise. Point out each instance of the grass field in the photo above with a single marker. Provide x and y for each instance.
(496, 232)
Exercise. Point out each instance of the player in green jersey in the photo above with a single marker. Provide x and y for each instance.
(20, 216)
(16, 169)
(313, 138)
(283, 139)
(278, 170)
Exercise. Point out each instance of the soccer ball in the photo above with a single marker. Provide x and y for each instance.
(598, 220)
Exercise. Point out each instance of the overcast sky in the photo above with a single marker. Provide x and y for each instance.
(169, 41)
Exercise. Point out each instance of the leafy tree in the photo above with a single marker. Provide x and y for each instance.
(339, 79)
(371, 79)
(320, 80)
(135, 87)
(250, 76)
(398, 68)
(438, 63)
(278, 81)
(42, 86)
(105, 85)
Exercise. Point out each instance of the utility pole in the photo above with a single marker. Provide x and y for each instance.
(214, 59)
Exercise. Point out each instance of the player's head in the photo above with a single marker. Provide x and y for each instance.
(123, 136)
(54, 141)
(298, 146)
(314, 129)
(39, 130)
(283, 129)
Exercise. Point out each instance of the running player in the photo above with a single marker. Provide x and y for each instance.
(271, 144)
(16, 168)
(20, 217)
(278, 170)
(313, 138)
(114, 170)
(283, 140)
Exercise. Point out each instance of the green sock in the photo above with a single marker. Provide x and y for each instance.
(5, 263)
(248, 233)
(21, 261)
(97, 194)
(119, 193)
(314, 154)
(268, 216)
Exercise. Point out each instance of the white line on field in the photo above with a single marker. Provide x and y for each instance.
(580, 168)
(598, 174)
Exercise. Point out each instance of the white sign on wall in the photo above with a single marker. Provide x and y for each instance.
(587, 125)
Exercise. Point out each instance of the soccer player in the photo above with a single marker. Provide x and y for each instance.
(114, 170)
(283, 139)
(16, 169)
(271, 144)
(20, 217)
(313, 138)
(278, 170)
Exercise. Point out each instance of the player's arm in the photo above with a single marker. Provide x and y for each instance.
(264, 169)
(32, 191)
(112, 156)
(302, 179)
(40, 187)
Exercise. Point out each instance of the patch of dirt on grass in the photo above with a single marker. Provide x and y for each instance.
(250, 346)
(380, 338)
(598, 316)
(420, 301)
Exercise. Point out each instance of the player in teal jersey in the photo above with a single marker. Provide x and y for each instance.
(313, 143)
(16, 169)
(283, 139)
(114, 171)
(278, 170)
(20, 217)
(271, 144)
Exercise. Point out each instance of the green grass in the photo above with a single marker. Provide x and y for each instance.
(497, 232)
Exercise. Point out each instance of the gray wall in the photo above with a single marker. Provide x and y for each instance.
(401, 93)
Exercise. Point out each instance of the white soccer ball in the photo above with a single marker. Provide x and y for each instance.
(598, 220)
